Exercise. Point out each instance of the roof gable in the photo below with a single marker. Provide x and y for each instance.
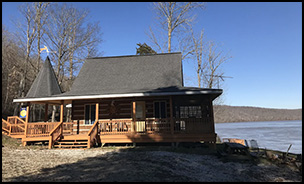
(125, 74)
(45, 84)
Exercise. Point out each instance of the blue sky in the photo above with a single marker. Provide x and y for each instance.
(264, 39)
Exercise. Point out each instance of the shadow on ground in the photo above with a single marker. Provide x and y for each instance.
(120, 165)
(155, 164)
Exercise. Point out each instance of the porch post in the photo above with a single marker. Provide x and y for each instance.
(134, 116)
(211, 117)
(97, 111)
(61, 116)
(171, 116)
(97, 118)
(61, 111)
(27, 113)
(46, 108)
(26, 122)
(213, 143)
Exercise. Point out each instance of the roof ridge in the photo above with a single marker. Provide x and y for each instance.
(106, 57)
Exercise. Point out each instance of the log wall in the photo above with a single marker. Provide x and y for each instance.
(123, 107)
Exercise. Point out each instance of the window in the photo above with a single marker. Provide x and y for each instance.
(90, 114)
(160, 110)
(189, 112)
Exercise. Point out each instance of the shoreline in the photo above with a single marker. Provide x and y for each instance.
(255, 121)
(275, 135)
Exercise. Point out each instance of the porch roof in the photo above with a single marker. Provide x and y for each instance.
(138, 93)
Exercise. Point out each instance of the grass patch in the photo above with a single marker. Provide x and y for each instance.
(10, 142)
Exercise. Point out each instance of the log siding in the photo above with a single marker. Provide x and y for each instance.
(123, 108)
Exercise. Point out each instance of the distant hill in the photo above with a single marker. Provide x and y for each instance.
(225, 114)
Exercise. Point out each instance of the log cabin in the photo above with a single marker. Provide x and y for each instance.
(119, 99)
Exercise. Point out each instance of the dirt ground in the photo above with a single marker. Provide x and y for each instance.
(132, 164)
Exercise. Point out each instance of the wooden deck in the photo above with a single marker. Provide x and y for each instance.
(61, 134)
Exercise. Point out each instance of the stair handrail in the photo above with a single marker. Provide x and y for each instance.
(15, 117)
(12, 121)
(20, 120)
(92, 134)
(19, 127)
(59, 130)
(8, 125)
(17, 130)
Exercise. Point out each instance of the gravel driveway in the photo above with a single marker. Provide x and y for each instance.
(125, 164)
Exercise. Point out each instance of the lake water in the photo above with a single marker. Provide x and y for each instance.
(275, 135)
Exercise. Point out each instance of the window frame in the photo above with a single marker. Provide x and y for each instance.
(189, 111)
(90, 113)
(143, 103)
(166, 114)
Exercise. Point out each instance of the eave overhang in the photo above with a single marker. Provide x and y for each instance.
(216, 93)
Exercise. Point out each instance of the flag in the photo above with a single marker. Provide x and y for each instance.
(45, 48)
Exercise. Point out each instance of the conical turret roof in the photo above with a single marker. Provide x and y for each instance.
(46, 83)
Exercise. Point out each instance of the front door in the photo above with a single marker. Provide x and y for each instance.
(140, 115)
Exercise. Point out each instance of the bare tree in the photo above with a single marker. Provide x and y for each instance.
(30, 34)
(172, 17)
(197, 51)
(214, 59)
(209, 60)
(11, 70)
(40, 10)
(67, 36)
(71, 39)
(40, 21)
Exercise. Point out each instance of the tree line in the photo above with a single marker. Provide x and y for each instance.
(65, 33)
(228, 114)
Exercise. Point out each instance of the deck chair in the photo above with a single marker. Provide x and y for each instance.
(254, 148)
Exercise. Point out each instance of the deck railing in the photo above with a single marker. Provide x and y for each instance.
(17, 125)
(154, 125)
(192, 125)
(92, 134)
(55, 134)
(6, 126)
(68, 128)
(17, 129)
(40, 129)
(15, 120)
(115, 126)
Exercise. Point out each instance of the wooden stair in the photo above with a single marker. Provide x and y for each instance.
(5, 132)
(72, 142)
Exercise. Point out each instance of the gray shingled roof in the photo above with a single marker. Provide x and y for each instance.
(128, 74)
(46, 83)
